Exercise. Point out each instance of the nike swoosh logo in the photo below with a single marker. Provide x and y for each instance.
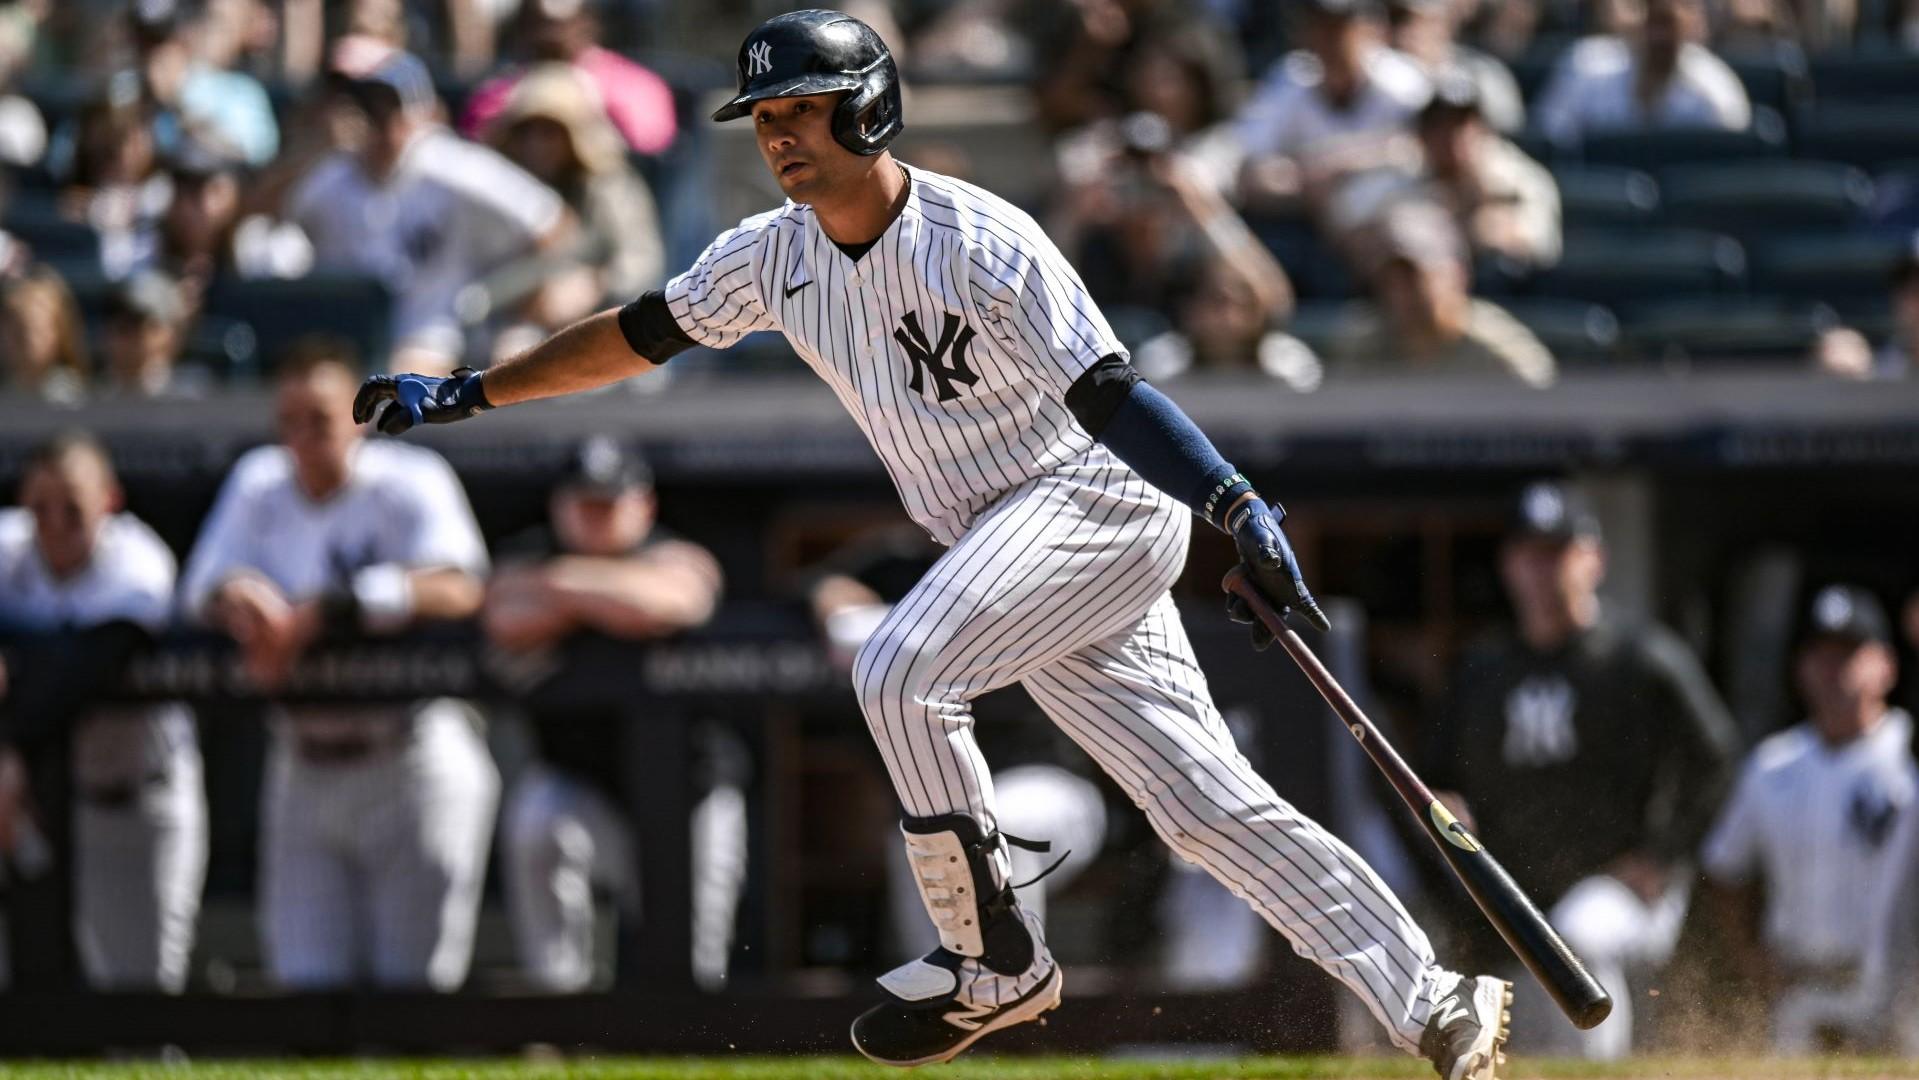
(796, 288)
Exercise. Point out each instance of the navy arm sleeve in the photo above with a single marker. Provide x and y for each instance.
(651, 330)
(1146, 430)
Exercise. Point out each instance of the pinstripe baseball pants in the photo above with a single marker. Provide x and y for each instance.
(1061, 586)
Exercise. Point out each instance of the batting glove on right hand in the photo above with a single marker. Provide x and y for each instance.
(1270, 562)
(401, 401)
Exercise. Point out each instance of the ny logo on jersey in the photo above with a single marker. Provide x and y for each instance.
(931, 358)
(759, 58)
(1539, 723)
(1872, 814)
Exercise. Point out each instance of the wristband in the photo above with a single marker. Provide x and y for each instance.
(1223, 495)
(384, 596)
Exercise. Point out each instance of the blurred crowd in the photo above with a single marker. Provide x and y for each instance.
(204, 192)
(1309, 190)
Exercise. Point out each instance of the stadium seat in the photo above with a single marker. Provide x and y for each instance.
(69, 245)
(1849, 271)
(1316, 269)
(1605, 195)
(1871, 135)
(1574, 331)
(1757, 198)
(1533, 67)
(1726, 328)
(1882, 74)
(1775, 74)
(1319, 323)
(280, 313)
(1654, 150)
(1621, 265)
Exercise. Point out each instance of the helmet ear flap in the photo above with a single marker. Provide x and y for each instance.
(869, 117)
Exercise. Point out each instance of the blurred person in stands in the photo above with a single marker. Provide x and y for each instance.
(1428, 32)
(96, 582)
(554, 127)
(23, 132)
(1135, 222)
(376, 819)
(206, 233)
(1335, 108)
(193, 96)
(43, 344)
(637, 101)
(1091, 48)
(110, 171)
(415, 205)
(1812, 820)
(1224, 323)
(602, 567)
(1426, 321)
(1595, 749)
(1504, 202)
(1657, 76)
(1899, 358)
(143, 341)
(1185, 77)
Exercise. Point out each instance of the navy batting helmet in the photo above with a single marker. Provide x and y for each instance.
(819, 52)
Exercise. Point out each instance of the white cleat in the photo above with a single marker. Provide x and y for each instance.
(1466, 1037)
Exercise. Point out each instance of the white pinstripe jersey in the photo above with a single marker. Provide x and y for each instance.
(1817, 822)
(952, 341)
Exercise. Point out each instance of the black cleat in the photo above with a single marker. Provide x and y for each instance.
(941, 1004)
(1466, 1037)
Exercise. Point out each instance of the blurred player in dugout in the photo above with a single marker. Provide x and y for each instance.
(90, 582)
(1593, 750)
(1821, 820)
(602, 567)
(376, 819)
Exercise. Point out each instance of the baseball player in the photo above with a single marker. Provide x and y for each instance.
(1817, 817)
(71, 561)
(1005, 412)
(376, 819)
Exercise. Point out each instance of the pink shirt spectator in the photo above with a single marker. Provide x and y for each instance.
(638, 102)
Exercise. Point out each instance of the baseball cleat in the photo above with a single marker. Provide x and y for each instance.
(1466, 1037)
(905, 1032)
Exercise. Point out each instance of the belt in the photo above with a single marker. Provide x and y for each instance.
(348, 747)
(119, 796)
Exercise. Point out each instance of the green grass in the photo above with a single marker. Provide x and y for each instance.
(980, 1068)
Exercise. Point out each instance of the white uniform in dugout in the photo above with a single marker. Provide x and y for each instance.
(140, 814)
(952, 342)
(376, 820)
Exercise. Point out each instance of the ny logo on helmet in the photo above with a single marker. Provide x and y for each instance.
(759, 58)
(929, 358)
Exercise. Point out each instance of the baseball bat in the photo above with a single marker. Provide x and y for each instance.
(1507, 907)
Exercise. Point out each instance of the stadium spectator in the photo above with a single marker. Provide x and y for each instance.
(1504, 202)
(42, 339)
(1136, 221)
(1899, 357)
(554, 127)
(1595, 749)
(110, 170)
(1330, 110)
(193, 97)
(1812, 821)
(96, 581)
(1426, 320)
(376, 819)
(417, 206)
(205, 234)
(1222, 323)
(1660, 76)
(601, 567)
(1090, 49)
(1427, 31)
(637, 101)
(23, 133)
(143, 340)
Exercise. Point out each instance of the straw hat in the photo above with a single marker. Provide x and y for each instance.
(565, 95)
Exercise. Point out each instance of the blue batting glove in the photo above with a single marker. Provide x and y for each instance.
(1269, 560)
(401, 401)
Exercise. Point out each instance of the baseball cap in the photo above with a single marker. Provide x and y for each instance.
(155, 21)
(378, 75)
(1848, 612)
(604, 465)
(149, 295)
(1548, 510)
(1455, 93)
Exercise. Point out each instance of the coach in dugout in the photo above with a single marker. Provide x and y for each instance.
(1594, 750)
(376, 819)
(90, 582)
(1814, 819)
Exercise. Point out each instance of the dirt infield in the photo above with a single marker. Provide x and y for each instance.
(981, 1068)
